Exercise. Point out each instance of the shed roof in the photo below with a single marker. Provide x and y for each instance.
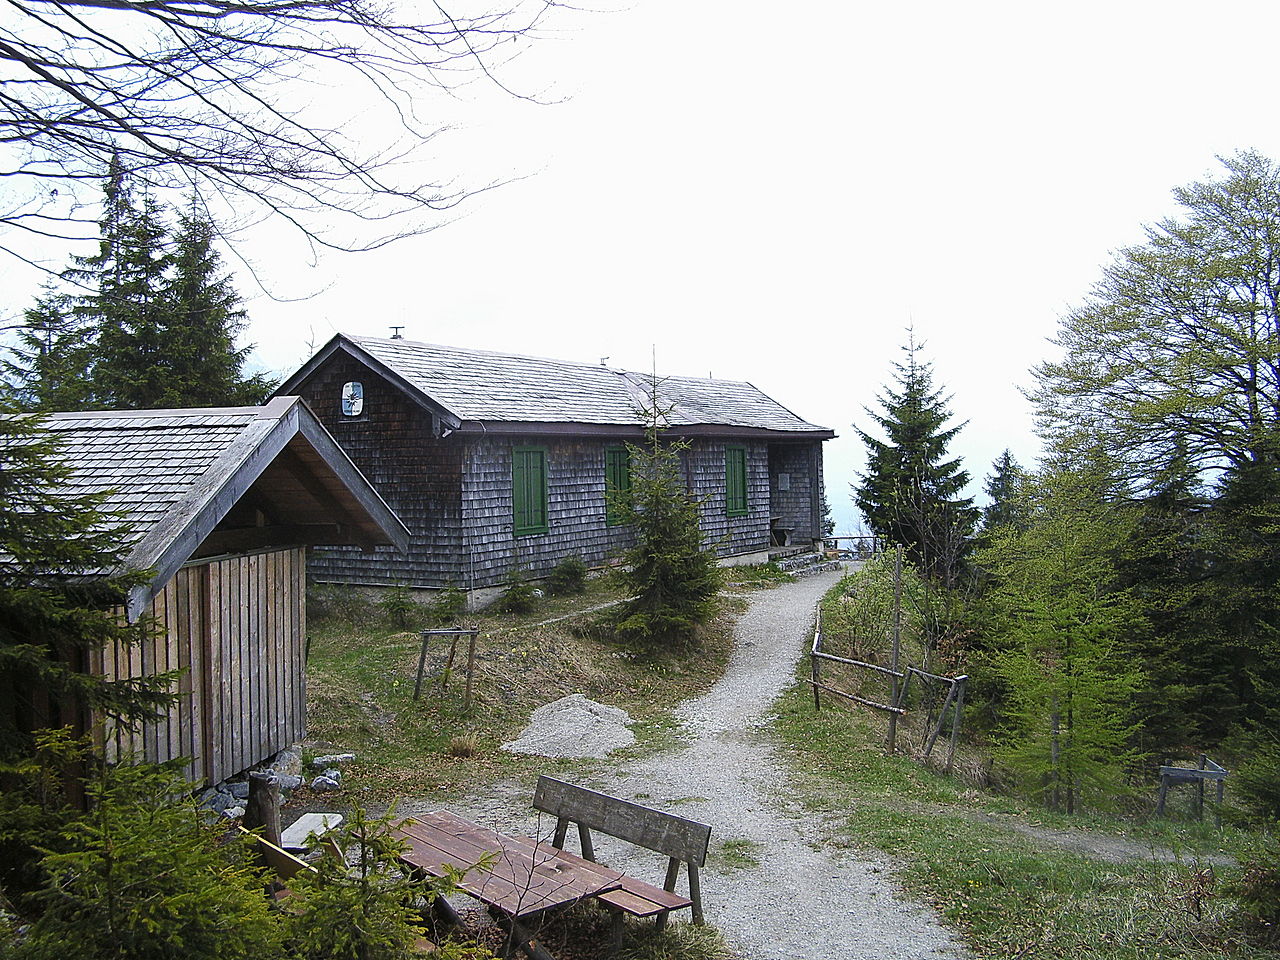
(479, 387)
(174, 475)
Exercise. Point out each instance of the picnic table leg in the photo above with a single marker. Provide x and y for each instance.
(518, 936)
(619, 925)
(444, 915)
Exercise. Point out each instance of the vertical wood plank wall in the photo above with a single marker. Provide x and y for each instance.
(236, 627)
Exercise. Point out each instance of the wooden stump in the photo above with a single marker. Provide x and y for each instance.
(262, 810)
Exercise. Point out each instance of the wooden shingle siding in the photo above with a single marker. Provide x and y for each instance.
(575, 509)
(796, 501)
(237, 629)
(704, 465)
(419, 475)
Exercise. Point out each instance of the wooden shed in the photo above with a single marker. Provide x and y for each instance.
(501, 463)
(221, 506)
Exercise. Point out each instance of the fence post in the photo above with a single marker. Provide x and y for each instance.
(956, 709)
(897, 646)
(1200, 790)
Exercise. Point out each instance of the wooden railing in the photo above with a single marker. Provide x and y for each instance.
(896, 704)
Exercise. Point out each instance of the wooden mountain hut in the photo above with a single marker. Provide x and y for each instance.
(501, 463)
(222, 505)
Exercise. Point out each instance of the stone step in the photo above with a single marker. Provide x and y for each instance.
(806, 564)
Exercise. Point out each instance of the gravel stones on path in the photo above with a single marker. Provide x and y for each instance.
(790, 892)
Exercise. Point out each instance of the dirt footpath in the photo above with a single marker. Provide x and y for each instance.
(780, 889)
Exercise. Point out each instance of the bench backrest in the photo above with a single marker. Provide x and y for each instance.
(656, 830)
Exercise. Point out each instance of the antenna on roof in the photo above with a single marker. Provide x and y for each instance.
(395, 333)
(602, 361)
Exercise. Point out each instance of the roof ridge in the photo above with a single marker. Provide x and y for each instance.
(481, 352)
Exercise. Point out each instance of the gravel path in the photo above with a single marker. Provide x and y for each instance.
(794, 894)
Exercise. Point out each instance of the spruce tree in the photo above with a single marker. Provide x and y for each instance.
(1003, 487)
(150, 320)
(59, 600)
(910, 493)
(47, 369)
(125, 304)
(205, 317)
(671, 577)
(1163, 563)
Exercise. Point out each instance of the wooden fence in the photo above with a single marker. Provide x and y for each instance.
(895, 705)
(235, 627)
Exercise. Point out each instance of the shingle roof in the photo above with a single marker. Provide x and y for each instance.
(479, 385)
(173, 475)
(145, 461)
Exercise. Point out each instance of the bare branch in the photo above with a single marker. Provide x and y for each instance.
(227, 97)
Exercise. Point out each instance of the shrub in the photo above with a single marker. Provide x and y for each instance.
(518, 597)
(142, 876)
(1258, 889)
(399, 607)
(449, 606)
(569, 576)
(337, 602)
(1257, 780)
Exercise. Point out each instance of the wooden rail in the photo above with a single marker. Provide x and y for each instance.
(897, 705)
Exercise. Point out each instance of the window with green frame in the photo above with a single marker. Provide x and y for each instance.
(617, 483)
(529, 490)
(735, 481)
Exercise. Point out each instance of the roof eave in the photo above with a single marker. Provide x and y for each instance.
(341, 343)
(232, 473)
(575, 429)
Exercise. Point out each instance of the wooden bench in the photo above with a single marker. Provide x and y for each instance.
(683, 841)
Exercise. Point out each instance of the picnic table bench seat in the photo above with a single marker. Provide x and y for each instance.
(683, 841)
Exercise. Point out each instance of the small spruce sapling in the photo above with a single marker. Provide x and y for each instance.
(671, 577)
(142, 876)
(568, 577)
(362, 903)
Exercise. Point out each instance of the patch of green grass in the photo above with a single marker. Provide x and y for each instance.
(1007, 894)
(736, 853)
(756, 575)
(680, 941)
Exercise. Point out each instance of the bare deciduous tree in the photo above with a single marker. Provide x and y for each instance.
(239, 99)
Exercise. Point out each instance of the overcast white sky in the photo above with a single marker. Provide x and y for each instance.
(773, 192)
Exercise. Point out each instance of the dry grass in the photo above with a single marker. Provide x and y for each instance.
(361, 681)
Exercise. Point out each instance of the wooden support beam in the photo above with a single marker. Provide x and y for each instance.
(897, 711)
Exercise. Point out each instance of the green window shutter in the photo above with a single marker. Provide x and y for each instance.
(617, 482)
(735, 481)
(529, 490)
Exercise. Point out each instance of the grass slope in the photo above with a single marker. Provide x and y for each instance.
(361, 678)
(997, 870)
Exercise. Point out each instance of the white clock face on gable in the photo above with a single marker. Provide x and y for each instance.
(352, 399)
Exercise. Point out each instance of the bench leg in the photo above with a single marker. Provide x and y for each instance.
(673, 873)
(695, 893)
(445, 917)
(619, 924)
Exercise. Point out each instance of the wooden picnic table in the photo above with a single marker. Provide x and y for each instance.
(521, 876)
